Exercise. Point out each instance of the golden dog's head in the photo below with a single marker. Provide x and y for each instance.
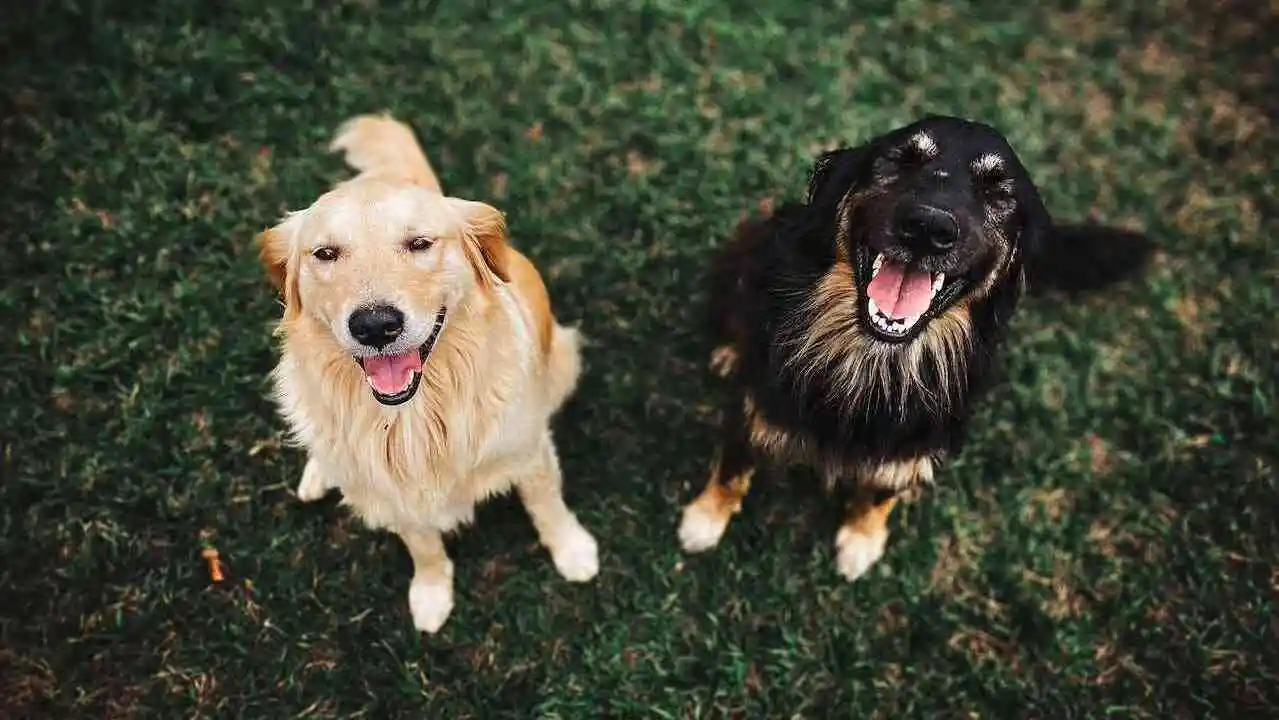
(379, 265)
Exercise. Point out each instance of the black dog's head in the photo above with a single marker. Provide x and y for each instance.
(931, 216)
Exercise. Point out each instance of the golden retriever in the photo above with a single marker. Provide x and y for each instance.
(420, 361)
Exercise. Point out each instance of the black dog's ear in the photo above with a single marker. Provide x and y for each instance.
(1078, 258)
(1036, 224)
(836, 172)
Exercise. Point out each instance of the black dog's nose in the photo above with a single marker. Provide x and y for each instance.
(376, 326)
(928, 229)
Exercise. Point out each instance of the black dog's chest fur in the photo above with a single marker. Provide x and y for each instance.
(763, 286)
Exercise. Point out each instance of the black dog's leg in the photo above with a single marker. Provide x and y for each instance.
(864, 534)
(706, 518)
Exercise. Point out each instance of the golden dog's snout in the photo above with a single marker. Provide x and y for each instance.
(376, 326)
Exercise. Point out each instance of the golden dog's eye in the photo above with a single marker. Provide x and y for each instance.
(419, 243)
(326, 253)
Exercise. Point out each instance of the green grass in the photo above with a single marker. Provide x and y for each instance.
(1105, 548)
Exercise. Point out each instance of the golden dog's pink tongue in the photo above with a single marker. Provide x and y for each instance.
(390, 374)
(899, 291)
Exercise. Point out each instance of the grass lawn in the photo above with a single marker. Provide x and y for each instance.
(1106, 547)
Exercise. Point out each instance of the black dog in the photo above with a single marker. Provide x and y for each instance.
(858, 329)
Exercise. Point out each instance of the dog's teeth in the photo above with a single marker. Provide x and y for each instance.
(879, 260)
(938, 280)
(910, 321)
(872, 306)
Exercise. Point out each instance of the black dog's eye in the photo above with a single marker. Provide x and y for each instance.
(896, 160)
(1001, 191)
(418, 243)
(326, 253)
(909, 155)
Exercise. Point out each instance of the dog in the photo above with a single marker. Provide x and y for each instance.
(420, 362)
(856, 330)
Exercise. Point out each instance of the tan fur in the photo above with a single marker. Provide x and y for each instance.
(726, 494)
(863, 536)
(501, 367)
(707, 516)
(831, 343)
(724, 360)
(868, 517)
(529, 284)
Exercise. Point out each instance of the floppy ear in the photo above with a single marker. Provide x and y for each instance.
(276, 251)
(486, 242)
(836, 172)
(1036, 237)
(273, 251)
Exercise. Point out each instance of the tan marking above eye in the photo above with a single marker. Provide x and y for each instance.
(924, 144)
(987, 163)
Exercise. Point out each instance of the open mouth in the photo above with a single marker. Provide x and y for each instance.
(900, 297)
(394, 379)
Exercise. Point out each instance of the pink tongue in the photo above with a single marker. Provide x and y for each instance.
(390, 374)
(900, 293)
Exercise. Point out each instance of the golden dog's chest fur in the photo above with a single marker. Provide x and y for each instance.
(427, 465)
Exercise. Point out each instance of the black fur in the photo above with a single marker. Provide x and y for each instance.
(1086, 257)
(763, 281)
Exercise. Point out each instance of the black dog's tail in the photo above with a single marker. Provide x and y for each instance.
(1083, 258)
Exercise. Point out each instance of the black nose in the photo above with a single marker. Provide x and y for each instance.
(376, 326)
(928, 229)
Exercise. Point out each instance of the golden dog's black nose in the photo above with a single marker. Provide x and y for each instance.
(376, 326)
(927, 229)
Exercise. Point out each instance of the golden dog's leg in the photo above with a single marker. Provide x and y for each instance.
(573, 549)
(315, 483)
(706, 518)
(861, 540)
(431, 591)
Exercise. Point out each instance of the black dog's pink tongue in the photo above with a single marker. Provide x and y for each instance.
(899, 291)
(389, 374)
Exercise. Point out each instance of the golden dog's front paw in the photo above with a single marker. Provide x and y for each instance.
(430, 602)
(314, 485)
(576, 555)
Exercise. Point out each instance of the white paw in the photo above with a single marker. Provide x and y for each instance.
(857, 552)
(576, 555)
(700, 529)
(313, 485)
(430, 602)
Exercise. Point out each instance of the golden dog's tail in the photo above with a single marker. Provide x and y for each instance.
(381, 146)
(565, 363)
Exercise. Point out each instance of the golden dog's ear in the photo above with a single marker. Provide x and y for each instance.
(275, 250)
(486, 244)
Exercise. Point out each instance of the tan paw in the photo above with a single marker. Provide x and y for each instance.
(857, 552)
(702, 527)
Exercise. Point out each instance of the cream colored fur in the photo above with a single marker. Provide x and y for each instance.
(479, 424)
